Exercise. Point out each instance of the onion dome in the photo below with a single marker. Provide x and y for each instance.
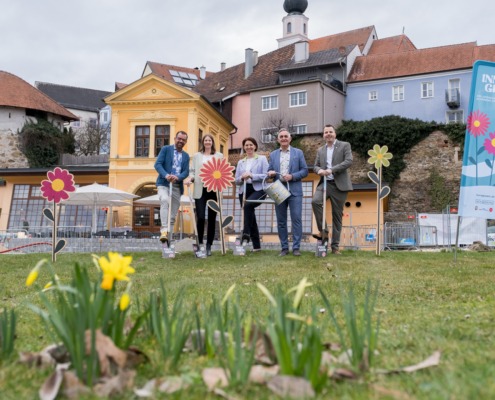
(295, 6)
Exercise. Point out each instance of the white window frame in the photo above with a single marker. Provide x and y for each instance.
(398, 93)
(454, 112)
(373, 95)
(299, 101)
(299, 129)
(426, 90)
(271, 99)
(268, 135)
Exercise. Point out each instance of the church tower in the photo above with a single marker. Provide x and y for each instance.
(295, 23)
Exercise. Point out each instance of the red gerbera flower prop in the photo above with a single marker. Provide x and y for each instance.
(477, 123)
(490, 144)
(58, 185)
(217, 174)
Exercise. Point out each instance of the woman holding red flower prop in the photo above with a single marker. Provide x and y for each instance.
(200, 194)
(217, 176)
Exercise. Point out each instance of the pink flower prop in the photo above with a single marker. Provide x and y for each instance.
(477, 123)
(490, 144)
(58, 185)
(217, 174)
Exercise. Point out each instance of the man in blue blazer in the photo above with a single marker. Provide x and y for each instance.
(172, 165)
(289, 166)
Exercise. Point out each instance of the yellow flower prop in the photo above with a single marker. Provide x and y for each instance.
(379, 156)
(115, 268)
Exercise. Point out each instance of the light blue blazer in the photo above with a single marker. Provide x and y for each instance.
(164, 163)
(259, 169)
(297, 168)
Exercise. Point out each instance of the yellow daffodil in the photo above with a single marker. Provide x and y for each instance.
(115, 268)
(125, 300)
(33, 275)
(379, 156)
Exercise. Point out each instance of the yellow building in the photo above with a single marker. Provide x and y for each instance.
(146, 116)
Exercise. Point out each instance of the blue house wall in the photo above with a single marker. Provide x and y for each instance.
(359, 107)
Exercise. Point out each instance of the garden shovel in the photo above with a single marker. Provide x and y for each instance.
(322, 246)
(168, 248)
(198, 249)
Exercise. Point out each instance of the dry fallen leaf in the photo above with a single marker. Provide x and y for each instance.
(46, 357)
(261, 374)
(342, 373)
(73, 387)
(107, 352)
(147, 390)
(431, 361)
(292, 387)
(223, 394)
(50, 388)
(214, 377)
(328, 360)
(116, 384)
(173, 384)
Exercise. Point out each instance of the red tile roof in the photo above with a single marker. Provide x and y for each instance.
(16, 92)
(391, 44)
(414, 62)
(357, 36)
(486, 52)
(231, 80)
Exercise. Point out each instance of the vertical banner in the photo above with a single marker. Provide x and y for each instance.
(477, 194)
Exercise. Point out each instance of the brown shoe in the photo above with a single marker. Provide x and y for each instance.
(336, 252)
(164, 237)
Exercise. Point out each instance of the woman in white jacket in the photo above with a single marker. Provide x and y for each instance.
(200, 194)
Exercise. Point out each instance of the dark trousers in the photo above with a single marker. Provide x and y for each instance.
(250, 224)
(337, 200)
(201, 216)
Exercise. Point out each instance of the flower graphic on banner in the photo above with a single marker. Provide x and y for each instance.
(379, 156)
(477, 123)
(58, 185)
(490, 144)
(217, 174)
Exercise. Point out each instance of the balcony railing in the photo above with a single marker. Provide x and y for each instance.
(453, 98)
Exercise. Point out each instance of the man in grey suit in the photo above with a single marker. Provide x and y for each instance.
(332, 162)
(288, 164)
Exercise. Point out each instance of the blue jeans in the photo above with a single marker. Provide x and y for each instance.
(295, 205)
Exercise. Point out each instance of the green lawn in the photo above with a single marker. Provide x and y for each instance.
(426, 301)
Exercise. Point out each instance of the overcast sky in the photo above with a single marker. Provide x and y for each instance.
(93, 44)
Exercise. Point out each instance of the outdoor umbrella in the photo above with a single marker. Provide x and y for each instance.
(155, 201)
(97, 195)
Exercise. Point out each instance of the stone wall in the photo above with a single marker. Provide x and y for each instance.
(410, 192)
(10, 155)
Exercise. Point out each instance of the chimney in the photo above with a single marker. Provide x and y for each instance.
(222, 66)
(255, 58)
(202, 72)
(248, 67)
(301, 52)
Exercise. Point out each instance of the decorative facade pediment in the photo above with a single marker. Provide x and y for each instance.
(153, 115)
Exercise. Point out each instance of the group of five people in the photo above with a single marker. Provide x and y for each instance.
(287, 164)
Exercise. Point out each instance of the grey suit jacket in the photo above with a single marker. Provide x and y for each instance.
(341, 161)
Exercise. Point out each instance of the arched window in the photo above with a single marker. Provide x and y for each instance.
(304, 28)
(289, 27)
